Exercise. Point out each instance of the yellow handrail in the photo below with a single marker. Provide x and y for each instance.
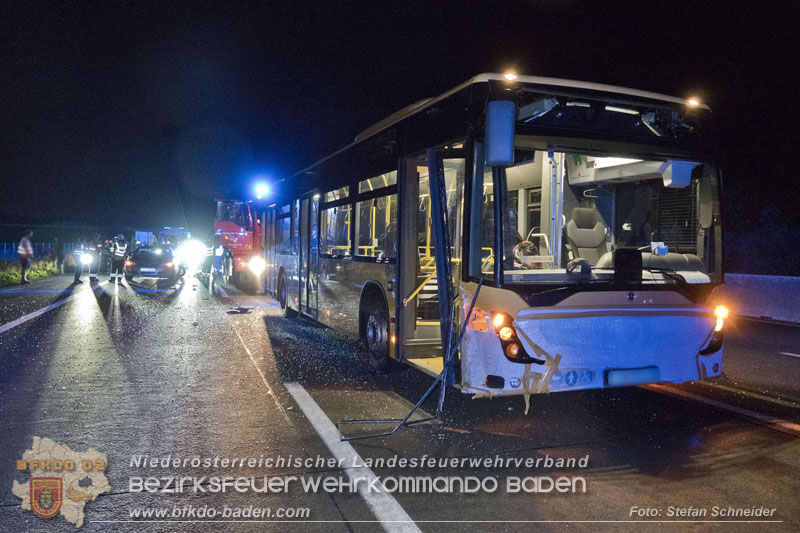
(414, 294)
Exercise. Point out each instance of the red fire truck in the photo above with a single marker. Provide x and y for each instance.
(237, 244)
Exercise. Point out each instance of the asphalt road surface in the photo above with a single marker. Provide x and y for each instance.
(182, 372)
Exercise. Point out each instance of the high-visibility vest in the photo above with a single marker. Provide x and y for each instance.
(119, 250)
(25, 249)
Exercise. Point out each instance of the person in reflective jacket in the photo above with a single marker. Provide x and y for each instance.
(77, 254)
(25, 254)
(93, 250)
(119, 251)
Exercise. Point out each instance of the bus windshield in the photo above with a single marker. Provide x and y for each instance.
(565, 213)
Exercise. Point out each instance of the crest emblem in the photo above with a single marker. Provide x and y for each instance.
(46, 495)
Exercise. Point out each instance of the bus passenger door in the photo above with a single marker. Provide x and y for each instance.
(418, 300)
(270, 275)
(309, 256)
(313, 257)
(303, 257)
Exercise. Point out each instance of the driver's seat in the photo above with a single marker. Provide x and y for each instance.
(585, 234)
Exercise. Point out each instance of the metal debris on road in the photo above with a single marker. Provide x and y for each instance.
(239, 310)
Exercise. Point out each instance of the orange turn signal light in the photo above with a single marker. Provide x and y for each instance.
(498, 320)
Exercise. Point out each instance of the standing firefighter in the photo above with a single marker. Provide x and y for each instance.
(119, 250)
(25, 253)
(93, 250)
(78, 253)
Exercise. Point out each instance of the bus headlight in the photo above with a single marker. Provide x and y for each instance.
(257, 265)
(721, 312)
(715, 343)
(510, 343)
(86, 259)
(512, 350)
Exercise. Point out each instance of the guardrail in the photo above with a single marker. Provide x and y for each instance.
(8, 250)
(772, 297)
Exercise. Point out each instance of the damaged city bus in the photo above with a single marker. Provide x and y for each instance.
(558, 235)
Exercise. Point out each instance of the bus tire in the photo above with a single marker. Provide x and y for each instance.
(376, 336)
(283, 298)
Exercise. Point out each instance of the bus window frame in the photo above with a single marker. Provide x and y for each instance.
(324, 206)
(285, 244)
(362, 197)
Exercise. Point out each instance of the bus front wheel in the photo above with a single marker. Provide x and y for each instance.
(376, 338)
(283, 298)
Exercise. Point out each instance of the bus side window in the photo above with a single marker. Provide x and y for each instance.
(335, 231)
(295, 226)
(377, 227)
(282, 235)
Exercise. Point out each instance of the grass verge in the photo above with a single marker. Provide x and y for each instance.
(11, 274)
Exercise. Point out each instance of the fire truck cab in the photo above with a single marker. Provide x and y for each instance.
(237, 243)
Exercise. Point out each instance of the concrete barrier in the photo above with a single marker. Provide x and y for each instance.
(774, 297)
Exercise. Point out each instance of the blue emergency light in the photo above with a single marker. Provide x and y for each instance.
(261, 189)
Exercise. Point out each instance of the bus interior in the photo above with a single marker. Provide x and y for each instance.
(568, 212)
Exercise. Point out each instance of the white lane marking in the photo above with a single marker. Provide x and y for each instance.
(39, 312)
(762, 397)
(263, 377)
(790, 354)
(383, 505)
(776, 423)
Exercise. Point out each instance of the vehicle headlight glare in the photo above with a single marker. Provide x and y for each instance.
(257, 265)
(86, 259)
(191, 253)
(721, 312)
(720, 324)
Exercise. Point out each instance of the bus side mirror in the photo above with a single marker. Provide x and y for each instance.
(501, 115)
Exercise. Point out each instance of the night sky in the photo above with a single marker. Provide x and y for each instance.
(139, 114)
